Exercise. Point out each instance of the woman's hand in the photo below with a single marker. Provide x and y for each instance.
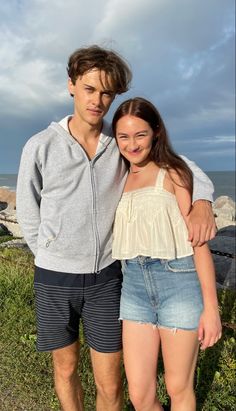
(209, 329)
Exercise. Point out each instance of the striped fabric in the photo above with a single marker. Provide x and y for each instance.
(63, 298)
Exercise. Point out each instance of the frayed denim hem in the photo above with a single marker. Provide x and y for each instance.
(159, 326)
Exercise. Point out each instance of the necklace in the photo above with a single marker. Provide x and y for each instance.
(142, 168)
(138, 171)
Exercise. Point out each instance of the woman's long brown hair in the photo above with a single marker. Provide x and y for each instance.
(162, 152)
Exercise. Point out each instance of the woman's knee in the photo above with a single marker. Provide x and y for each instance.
(141, 397)
(177, 387)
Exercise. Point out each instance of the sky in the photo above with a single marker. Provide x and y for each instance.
(181, 53)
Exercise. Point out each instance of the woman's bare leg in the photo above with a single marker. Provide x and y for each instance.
(141, 344)
(179, 350)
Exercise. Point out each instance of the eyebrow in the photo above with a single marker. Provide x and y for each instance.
(104, 91)
(88, 85)
(138, 132)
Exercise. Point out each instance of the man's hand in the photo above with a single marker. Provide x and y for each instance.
(201, 223)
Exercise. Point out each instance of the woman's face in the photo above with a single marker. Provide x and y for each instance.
(135, 139)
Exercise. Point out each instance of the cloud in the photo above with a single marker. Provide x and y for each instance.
(181, 54)
(216, 152)
(220, 139)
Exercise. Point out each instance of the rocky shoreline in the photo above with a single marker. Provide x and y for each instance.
(222, 246)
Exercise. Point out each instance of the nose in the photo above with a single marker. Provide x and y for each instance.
(97, 99)
(133, 145)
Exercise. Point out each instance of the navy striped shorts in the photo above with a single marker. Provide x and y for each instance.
(63, 298)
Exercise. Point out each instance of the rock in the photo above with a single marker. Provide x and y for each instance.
(224, 211)
(7, 199)
(17, 243)
(3, 205)
(224, 201)
(8, 212)
(9, 221)
(224, 242)
(4, 230)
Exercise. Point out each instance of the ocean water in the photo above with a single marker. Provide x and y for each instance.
(224, 182)
(8, 181)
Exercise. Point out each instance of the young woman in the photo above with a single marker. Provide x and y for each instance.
(169, 293)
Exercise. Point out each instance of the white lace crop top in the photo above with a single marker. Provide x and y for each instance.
(148, 222)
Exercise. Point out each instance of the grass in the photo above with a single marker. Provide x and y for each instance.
(26, 380)
(5, 238)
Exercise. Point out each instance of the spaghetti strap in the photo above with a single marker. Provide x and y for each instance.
(160, 178)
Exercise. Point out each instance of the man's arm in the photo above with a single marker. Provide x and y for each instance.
(201, 223)
(28, 197)
(203, 188)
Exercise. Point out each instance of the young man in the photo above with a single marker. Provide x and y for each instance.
(70, 181)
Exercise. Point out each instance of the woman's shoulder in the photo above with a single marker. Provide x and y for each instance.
(176, 176)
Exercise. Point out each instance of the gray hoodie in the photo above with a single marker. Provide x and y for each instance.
(66, 203)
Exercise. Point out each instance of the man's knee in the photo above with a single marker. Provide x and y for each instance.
(107, 375)
(67, 372)
(110, 391)
(65, 363)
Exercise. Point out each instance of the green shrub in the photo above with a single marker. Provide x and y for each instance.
(4, 238)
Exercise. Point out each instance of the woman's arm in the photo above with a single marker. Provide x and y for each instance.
(209, 330)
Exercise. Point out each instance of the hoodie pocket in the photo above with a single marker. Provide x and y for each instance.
(70, 239)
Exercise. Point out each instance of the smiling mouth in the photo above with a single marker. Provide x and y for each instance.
(135, 152)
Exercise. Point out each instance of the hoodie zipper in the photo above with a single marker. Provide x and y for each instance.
(94, 207)
(94, 220)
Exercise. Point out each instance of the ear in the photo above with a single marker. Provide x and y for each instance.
(71, 87)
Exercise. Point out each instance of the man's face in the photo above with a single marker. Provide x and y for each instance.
(93, 96)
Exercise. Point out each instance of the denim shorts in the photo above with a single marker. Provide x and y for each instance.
(165, 293)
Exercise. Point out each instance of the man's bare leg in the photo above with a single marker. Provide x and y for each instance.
(67, 382)
(107, 374)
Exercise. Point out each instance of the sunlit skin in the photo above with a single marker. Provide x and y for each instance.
(134, 138)
(141, 344)
(92, 98)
